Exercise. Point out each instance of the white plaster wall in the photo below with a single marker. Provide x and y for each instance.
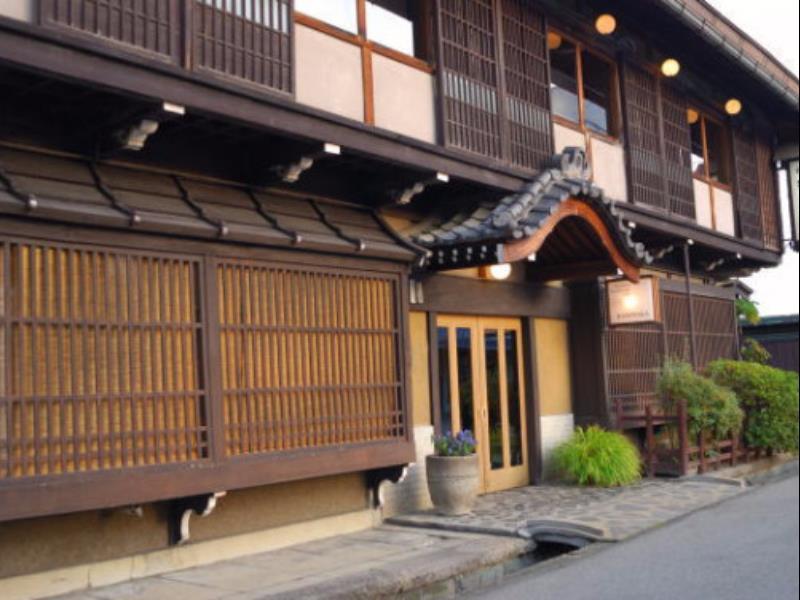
(554, 429)
(412, 493)
(328, 73)
(723, 209)
(702, 203)
(24, 10)
(404, 99)
(608, 168)
(565, 137)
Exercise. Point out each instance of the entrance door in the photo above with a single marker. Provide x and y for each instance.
(481, 389)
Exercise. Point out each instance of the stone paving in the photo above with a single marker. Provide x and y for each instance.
(616, 513)
(430, 556)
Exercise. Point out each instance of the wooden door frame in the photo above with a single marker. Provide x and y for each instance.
(508, 476)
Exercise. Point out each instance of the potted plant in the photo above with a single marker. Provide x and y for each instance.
(453, 473)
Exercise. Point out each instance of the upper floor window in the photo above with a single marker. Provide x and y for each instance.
(711, 148)
(394, 24)
(583, 87)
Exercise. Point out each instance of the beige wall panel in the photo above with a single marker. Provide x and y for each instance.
(420, 372)
(35, 545)
(404, 99)
(565, 137)
(328, 73)
(723, 210)
(24, 10)
(553, 367)
(702, 203)
(608, 167)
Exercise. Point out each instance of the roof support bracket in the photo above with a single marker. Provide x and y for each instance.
(134, 216)
(360, 245)
(198, 210)
(292, 235)
(29, 200)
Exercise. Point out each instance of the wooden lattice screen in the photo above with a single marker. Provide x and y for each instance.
(101, 351)
(154, 27)
(644, 149)
(746, 186)
(716, 330)
(634, 354)
(309, 358)
(247, 39)
(470, 76)
(526, 84)
(768, 194)
(677, 152)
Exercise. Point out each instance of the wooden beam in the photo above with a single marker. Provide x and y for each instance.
(522, 249)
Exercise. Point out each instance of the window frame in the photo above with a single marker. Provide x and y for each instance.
(615, 113)
(369, 47)
(43, 495)
(704, 115)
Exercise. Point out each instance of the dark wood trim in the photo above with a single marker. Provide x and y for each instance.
(449, 294)
(687, 265)
(89, 491)
(682, 228)
(433, 371)
(31, 47)
(708, 291)
(532, 398)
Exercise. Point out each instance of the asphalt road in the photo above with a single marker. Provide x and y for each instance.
(746, 548)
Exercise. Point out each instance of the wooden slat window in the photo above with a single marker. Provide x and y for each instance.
(527, 84)
(101, 360)
(677, 153)
(309, 358)
(644, 140)
(716, 330)
(246, 39)
(634, 354)
(746, 186)
(153, 27)
(470, 76)
(768, 195)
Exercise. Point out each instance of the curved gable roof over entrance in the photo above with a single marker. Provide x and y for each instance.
(561, 220)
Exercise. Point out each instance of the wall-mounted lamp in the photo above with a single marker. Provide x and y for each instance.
(692, 116)
(605, 24)
(670, 67)
(733, 107)
(499, 272)
(554, 41)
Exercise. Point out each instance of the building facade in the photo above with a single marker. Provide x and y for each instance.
(254, 253)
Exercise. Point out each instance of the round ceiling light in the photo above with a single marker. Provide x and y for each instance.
(670, 67)
(500, 272)
(554, 41)
(733, 107)
(605, 24)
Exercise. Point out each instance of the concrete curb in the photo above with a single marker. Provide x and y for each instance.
(754, 473)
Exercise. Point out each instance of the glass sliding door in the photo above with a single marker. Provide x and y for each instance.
(481, 389)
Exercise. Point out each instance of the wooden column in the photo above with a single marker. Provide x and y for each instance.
(533, 412)
(687, 267)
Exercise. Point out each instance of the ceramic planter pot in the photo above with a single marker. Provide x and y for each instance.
(453, 483)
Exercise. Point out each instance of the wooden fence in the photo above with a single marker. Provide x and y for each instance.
(679, 453)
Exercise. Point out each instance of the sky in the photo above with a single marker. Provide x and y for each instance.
(774, 24)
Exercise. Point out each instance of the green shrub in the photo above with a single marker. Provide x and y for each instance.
(748, 310)
(710, 408)
(753, 351)
(593, 456)
(769, 397)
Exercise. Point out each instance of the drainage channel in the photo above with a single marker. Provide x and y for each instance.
(485, 578)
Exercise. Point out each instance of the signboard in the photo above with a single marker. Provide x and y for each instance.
(633, 302)
(794, 200)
